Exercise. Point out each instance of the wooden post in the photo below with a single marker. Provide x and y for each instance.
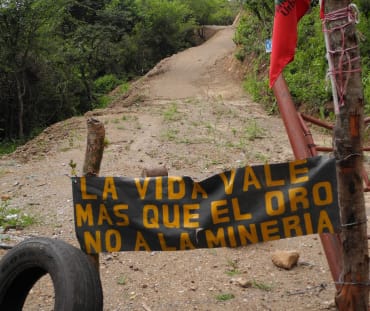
(344, 57)
(93, 157)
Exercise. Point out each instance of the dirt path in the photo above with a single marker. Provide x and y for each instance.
(191, 115)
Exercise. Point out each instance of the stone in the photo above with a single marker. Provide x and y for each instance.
(5, 197)
(285, 259)
(242, 282)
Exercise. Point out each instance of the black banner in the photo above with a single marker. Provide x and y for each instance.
(234, 208)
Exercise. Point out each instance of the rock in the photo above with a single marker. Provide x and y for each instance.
(5, 197)
(242, 282)
(285, 259)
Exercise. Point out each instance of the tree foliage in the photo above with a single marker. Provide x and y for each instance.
(57, 56)
(306, 75)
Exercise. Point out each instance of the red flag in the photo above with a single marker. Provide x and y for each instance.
(284, 36)
(322, 9)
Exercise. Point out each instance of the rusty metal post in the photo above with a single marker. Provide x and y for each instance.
(301, 149)
(93, 157)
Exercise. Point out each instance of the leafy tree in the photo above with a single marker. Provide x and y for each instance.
(56, 55)
(21, 26)
(164, 28)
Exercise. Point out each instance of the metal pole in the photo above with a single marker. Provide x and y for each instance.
(301, 150)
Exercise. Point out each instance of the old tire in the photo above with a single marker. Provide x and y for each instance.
(76, 281)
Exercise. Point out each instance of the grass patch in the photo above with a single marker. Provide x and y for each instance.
(262, 286)
(7, 147)
(225, 297)
(172, 113)
(233, 268)
(170, 135)
(253, 131)
(12, 217)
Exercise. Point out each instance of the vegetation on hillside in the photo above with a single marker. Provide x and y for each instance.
(307, 74)
(58, 58)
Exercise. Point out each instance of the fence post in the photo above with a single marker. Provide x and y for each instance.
(344, 56)
(93, 157)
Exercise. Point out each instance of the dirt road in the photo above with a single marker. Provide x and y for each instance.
(191, 115)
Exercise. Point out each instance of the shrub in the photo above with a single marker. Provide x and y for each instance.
(106, 84)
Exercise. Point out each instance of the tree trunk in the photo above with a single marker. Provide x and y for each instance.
(343, 54)
(21, 90)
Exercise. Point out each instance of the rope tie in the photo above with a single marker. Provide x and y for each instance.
(345, 66)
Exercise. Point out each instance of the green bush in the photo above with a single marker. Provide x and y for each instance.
(106, 84)
(8, 146)
(306, 75)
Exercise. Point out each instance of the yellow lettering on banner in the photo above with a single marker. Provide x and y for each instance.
(164, 246)
(216, 240)
(110, 236)
(92, 243)
(142, 188)
(292, 224)
(276, 197)
(189, 216)
(172, 193)
(244, 235)
(140, 243)
(270, 230)
(236, 209)
(298, 174)
(231, 236)
(326, 187)
(250, 179)
(104, 216)
(85, 195)
(197, 189)
(109, 188)
(308, 223)
(175, 223)
(150, 222)
(84, 215)
(117, 212)
(217, 214)
(269, 181)
(298, 197)
(228, 184)
(324, 223)
(185, 242)
(158, 188)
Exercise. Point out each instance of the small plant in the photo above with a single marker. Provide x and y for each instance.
(232, 267)
(254, 131)
(106, 142)
(12, 217)
(171, 134)
(261, 157)
(73, 166)
(225, 297)
(171, 113)
(122, 280)
(262, 286)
